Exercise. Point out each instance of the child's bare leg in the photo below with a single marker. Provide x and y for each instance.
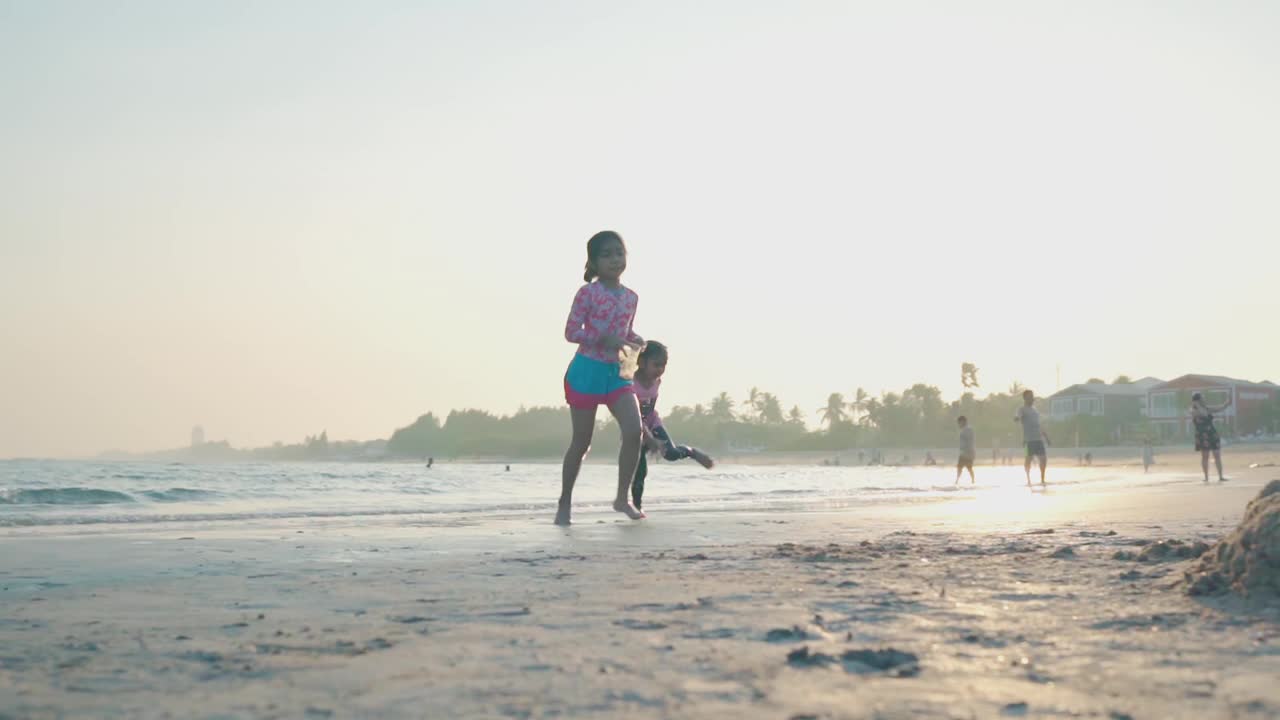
(627, 412)
(584, 422)
(1217, 460)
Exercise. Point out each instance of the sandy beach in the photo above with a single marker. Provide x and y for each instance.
(1065, 602)
(313, 314)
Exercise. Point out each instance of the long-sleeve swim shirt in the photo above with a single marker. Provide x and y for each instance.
(598, 311)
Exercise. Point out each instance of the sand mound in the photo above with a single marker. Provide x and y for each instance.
(1248, 560)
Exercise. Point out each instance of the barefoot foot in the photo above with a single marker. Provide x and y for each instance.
(628, 509)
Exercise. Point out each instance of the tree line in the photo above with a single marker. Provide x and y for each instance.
(918, 416)
(915, 417)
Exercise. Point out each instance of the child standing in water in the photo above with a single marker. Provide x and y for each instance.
(600, 323)
(968, 449)
(648, 378)
(1033, 436)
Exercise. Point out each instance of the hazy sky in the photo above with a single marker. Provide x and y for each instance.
(274, 218)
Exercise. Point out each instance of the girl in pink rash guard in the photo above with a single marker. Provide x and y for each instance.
(600, 324)
(653, 364)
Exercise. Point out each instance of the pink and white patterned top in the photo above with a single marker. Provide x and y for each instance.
(598, 311)
(648, 397)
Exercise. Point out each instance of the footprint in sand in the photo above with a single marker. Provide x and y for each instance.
(711, 634)
(633, 624)
(891, 662)
(795, 633)
(408, 619)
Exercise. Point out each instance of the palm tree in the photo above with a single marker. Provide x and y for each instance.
(770, 409)
(795, 417)
(834, 411)
(859, 405)
(722, 408)
(872, 407)
(753, 400)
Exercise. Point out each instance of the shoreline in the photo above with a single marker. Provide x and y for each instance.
(945, 455)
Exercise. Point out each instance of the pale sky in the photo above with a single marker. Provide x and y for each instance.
(276, 218)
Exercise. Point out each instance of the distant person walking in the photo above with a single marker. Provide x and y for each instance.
(1207, 440)
(968, 449)
(1148, 455)
(600, 321)
(1033, 437)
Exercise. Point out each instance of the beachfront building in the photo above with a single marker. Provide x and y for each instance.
(1248, 414)
(1101, 413)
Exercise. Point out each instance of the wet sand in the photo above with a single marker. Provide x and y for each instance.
(1016, 604)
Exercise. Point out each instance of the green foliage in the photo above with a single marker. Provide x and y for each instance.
(916, 417)
(722, 407)
(770, 410)
(1082, 430)
(834, 411)
(420, 439)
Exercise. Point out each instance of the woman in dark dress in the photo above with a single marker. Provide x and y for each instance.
(1206, 435)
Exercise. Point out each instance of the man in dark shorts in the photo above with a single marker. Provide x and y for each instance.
(1032, 436)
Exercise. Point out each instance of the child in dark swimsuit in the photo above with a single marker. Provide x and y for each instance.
(647, 380)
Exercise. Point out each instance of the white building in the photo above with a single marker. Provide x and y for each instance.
(1094, 398)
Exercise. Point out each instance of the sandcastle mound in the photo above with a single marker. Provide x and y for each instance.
(1247, 561)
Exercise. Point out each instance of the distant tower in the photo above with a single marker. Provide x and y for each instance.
(197, 436)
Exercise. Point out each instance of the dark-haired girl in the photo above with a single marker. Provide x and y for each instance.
(600, 323)
(648, 378)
